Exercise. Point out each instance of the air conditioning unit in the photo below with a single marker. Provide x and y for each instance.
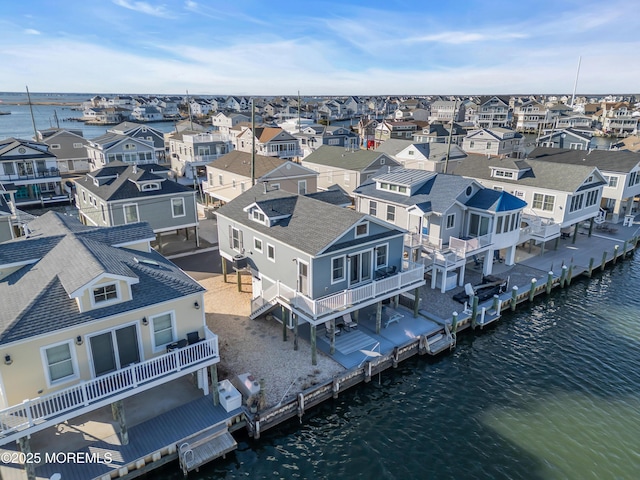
(239, 262)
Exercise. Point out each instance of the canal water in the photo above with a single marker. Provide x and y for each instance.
(551, 392)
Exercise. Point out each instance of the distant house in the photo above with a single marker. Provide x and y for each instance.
(494, 141)
(559, 196)
(269, 142)
(315, 260)
(494, 112)
(224, 121)
(437, 132)
(447, 111)
(69, 147)
(621, 171)
(147, 114)
(311, 137)
(93, 315)
(346, 169)
(30, 171)
(144, 132)
(121, 194)
(450, 219)
(434, 157)
(566, 138)
(112, 147)
(190, 151)
(397, 129)
(531, 117)
(230, 175)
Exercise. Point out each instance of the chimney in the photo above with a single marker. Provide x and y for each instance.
(264, 189)
(135, 168)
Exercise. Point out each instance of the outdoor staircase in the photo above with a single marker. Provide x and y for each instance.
(205, 446)
(261, 309)
(600, 218)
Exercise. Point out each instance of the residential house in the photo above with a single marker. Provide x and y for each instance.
(311, 137)
(199, 108)
(112, 147)
(236, 104)
(190, 151)
(346, 169)
(450, 220)
(105, 116)
(69, 147)
(531, 117)
(559, 196)
(147, 114)
(224, 121)
(230, 176)
(618, 118)
(566, 138)
(621, 171)
(120, 194)
(434, 157)
(91, 316)
(494, 112)
(437, 132)
(447, 111)
(575, 121)
(6, 220)
(631, 143)
(144, 132)
(316, 260)
(494, 141)
(169, 108)
(30, 170)
(270, 142)
(394, 129)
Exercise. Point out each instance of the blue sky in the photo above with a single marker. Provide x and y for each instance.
(257, 47)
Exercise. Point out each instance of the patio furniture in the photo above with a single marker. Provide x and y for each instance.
(177, 345)
(391, 315)
(330, 331)
(348, 322)
(193, 337)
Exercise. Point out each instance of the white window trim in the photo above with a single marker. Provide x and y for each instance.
(275, 186)
(344, 269)
(105, 303)
(124, 211)
(274, 252)
(386, 259)
(366, 233)
(255, 246)
(112, 330)
(304, 183)
(447, 227)
(74, 361)
(184, 209)
(174, 333)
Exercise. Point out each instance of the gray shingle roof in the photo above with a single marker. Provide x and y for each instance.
(240, 163)
(312, 226)
(621, 161)
(357, 160)
(36, 297)
(437, 193)
(549, 175)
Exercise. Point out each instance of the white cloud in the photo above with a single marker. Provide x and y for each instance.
(32, 31)
(457, 37)
(143, 7)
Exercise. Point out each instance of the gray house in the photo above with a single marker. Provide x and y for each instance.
(69, 147)
(317, 260)
(120, 194)
(144, 132)
(347, 169)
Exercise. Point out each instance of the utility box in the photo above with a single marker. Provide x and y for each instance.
(230, 397)
(248, 385)
(240, 262)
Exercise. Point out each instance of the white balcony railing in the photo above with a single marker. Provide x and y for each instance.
(43, 409)
(470, 246)
(411, 274)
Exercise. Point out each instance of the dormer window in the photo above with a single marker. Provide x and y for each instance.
(150, 186)
(129, 146)
(105, 293)
(502, 174)
(362, 229)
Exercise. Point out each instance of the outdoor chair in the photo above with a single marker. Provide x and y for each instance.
(193, 337)
(330, 331)
(348, 322)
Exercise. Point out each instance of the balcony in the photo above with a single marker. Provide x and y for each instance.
(470, 245)
(51, 174)
(538, 228)
(296, 152)
(39, 413)
(411, 276)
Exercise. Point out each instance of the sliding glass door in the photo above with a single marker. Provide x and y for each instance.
(115, 349)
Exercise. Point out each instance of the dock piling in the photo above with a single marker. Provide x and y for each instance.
(514, 298)
(615, 253)
(590, 271)
(604, 260)
(474, 311)
(563, 276)
(549, 282)
(532, 291)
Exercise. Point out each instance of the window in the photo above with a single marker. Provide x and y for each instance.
(60, 364)
(151, 186)
(211, 179)
(391, 213)
(131, 213)
(177, 207)
(275, 186)
(162, 330)
(613, 181)
(543, 202)
(576, 202)
(362, 230)
(592, 198)
(220, 180)
(471, 143)
(271, 252)
(302, 187)
(242, 187)
(84, 196)
(499, 221)
(337, 269)
(381, 256)
(373, 208)
(257, 244)
(105, 293)
(77, 145)
(258, 215)
(104, 216)
(233, 183)
(235, 238)
(451, 220)
(55, 146)
(129, 146)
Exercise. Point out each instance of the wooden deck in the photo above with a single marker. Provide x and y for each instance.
(205, 446)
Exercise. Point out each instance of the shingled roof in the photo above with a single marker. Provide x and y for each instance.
(621, 161)
(60, 256)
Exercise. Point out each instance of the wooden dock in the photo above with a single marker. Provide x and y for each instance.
(205, 446)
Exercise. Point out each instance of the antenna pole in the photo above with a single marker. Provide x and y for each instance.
(446, 160)
(189, 105)
(253, 142)
(575, 85)
(33, 120)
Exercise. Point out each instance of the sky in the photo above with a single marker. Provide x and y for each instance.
(258, 47)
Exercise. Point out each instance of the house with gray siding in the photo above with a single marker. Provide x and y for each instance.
(346, 169)
(116, 147)
(6, 223)
(121, 194)
(144, 132)
(69, 147)
(450, 220)
(566, 138)
(317, 260)
(422, 156)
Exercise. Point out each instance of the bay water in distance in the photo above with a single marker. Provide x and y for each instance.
(550, 392)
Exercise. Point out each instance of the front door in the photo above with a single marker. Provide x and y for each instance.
(303, 278)
(360, 267)
(114, 349)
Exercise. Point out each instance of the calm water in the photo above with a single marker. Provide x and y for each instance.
(551, 392)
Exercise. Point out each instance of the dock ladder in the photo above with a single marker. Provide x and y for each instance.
(205, 446)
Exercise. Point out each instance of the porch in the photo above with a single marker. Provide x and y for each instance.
(34, 415)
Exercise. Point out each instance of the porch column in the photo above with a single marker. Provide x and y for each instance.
(239, 279)
(117, 410)
(487, 266)
(283, 313)
(434, 277)
(616, 211)
(224, 268)
(575, 233)
(591, 221)
(378, 317)
(25, 447)
(294, 316)
(510, 257)
(186, 233)
(213, 369)
(461, 275)
(203, 380)
(396, 301)
(332, 342)
(197, 231)
(159, 240)
(416, 302)
(314, 347)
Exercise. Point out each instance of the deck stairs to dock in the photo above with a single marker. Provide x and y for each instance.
(441, 341)
(601, 217)
(258, 309)
(205, 446)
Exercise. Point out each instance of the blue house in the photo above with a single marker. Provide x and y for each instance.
(317, 260)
